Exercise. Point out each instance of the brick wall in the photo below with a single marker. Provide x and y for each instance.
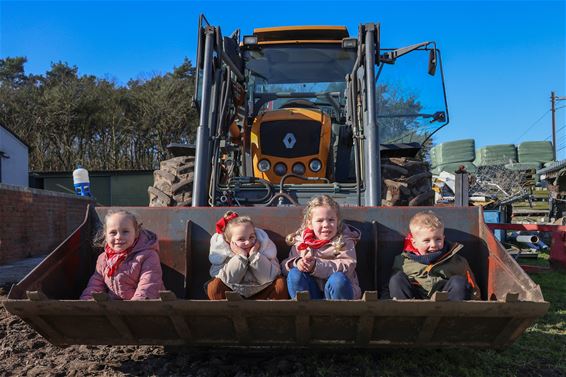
(33, 222)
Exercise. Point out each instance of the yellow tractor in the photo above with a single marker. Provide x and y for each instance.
(291, 112)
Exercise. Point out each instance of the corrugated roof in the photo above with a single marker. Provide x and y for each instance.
(553, 167)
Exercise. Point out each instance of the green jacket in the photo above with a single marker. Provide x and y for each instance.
(427, 276)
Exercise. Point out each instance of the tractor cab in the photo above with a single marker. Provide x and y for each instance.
(296, 84)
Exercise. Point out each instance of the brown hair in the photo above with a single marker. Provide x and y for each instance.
(318, 201)
(235, 221)
(100, 237)
(425, 219)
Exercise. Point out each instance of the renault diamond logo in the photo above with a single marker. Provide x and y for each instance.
(289, 140)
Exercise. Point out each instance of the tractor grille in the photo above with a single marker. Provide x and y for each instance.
(290, 139)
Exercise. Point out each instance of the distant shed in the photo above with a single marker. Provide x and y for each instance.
(109, 187)
(14, 156)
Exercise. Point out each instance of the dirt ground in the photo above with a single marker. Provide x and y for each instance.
(23, 352)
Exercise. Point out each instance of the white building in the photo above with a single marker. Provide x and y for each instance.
(14, 154)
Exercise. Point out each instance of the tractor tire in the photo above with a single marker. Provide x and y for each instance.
(173, 183)
(406, 182)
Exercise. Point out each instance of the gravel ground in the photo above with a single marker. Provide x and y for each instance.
(23, 352)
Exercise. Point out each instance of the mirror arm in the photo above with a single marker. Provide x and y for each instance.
(391, 56)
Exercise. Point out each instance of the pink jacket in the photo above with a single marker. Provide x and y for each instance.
(330, 260)
(138, 277)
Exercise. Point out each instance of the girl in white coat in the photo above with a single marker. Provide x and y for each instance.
(244, 260)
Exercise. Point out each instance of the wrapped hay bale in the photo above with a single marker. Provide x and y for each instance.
(536, 151)
(499, 154)
(455, 151)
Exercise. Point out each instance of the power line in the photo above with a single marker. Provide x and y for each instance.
(557, 131)
(531, 126)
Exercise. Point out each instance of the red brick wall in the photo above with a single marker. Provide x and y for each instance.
(33, 222)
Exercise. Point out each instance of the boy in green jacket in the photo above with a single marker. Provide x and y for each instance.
(429, 264)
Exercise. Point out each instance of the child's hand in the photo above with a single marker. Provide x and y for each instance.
(306, 263)
(255, 247)
(237, 249)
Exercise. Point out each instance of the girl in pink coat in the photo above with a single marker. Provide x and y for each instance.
(322, 259)
(129, 267)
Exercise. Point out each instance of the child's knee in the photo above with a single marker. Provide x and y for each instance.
(294, 276)
(457, 282)
(338, 279)
(216, 289)
(338, 287)
(280, 287)
(397, 279)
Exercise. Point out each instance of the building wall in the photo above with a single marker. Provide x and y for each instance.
(14, 169)
(34, 222)
(113, 188)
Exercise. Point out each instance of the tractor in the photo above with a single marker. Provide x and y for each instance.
(290, 112)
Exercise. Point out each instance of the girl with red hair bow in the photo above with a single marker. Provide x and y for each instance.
(244, 260)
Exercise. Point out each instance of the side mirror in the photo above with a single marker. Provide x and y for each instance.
(432, 62)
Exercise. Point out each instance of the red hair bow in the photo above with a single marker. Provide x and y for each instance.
(221, 224)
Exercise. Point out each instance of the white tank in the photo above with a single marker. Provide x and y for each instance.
(81, 181)
(80, 175)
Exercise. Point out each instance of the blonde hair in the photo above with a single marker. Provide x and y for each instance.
(100, 237)
(319, 201)
(425, 219)
(235, 221)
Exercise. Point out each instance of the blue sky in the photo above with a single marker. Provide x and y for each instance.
(501, 58)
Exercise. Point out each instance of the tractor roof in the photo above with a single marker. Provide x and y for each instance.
(287, 34)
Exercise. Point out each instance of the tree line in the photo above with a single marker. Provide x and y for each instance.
(68, 119)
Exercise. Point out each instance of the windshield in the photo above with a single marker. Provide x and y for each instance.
(408, 99)
(316, 72)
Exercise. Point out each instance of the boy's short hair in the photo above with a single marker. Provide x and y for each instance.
(426, 219)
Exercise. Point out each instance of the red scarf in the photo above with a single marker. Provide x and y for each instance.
(408, 246)
(310, 241)
(115, 258)
(221, 224)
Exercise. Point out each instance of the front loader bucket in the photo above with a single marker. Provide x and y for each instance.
(47, 298)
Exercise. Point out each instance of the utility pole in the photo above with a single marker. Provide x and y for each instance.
(553, 99)
(553, 110)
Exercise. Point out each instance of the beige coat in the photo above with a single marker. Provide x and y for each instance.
(330, 260)
(247, 276)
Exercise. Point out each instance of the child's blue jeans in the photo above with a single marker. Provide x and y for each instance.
(337, 287)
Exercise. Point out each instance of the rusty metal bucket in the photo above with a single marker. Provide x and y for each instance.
(47, 298)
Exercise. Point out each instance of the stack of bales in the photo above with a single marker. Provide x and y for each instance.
(499, 154)
(532, 155)
(451, 155)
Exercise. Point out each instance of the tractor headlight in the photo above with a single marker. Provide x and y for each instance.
(299, 168)
(263, 165)
(315, 165)
(280, 169)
